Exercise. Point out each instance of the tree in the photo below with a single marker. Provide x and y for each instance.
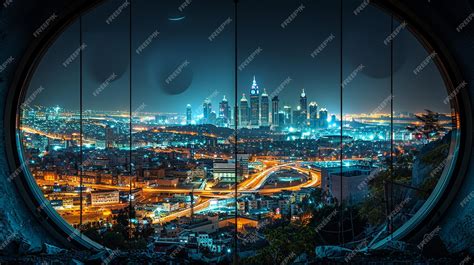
(430, 125)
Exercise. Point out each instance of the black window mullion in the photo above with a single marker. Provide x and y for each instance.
(81, 151)
(341, 65)
(236, 120)
(130, 124)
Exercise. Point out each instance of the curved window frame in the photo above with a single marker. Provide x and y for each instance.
(430, 213)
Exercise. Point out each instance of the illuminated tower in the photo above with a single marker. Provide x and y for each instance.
(303, 107)
(275, 111)
(188, 114)
(287, 111)
(254, 104)
(323, 118)
(224, 110)
(109, 137)
(313, 114)
(244, 112)
(265, 104)
(206, 110)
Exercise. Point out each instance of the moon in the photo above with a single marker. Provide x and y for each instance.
(176, 18)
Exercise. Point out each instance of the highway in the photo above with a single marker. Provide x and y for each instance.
(254, 184)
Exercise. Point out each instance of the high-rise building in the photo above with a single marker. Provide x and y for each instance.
(275, 111)
(206, 110)
(333, 119)
(212, 118)
(288, 119)
(224, 111)
(313, 114)
(188, 114)
(244, 112)
(323, 118)
(109, 136)
(265, 112)
(297, 117)
(303, 106)
(254, 104)
(281, 118)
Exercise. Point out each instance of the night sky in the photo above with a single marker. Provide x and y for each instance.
(285, 52)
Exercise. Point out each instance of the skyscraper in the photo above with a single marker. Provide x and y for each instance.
(323, 118)
(207, 109)
(254, 104)
(287, 111)
(265, 114)
(297, 117)
(244, 112)
(275, 111)
(303, 107)
(188, 114)
(313, 114)
(224, 111)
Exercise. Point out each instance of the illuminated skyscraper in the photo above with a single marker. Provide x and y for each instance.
(304, 106)
(244, 112)
(313, 114)
(275, 111)
(206, 110)
(298, 117)
(224, 111)
(188, 114)
(254, 104)
(287, 111)
(265, 115)
(109, 136)
(323, 118)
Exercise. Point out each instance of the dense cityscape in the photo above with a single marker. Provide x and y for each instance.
(180, 171)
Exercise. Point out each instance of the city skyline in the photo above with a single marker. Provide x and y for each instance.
(207, 66)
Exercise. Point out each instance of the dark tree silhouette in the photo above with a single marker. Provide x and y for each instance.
(430, 125)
